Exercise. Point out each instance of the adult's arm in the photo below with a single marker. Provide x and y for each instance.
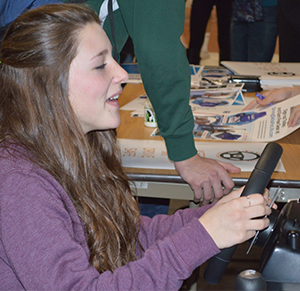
(166, 76)
(155, 28)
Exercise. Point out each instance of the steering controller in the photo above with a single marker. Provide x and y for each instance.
(280, 261)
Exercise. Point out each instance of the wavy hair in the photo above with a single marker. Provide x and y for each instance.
(35, 113)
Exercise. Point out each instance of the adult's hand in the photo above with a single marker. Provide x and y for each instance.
(207, 176)
(230, 221)
(277, 95)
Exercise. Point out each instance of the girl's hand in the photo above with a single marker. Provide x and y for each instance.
(230, 221)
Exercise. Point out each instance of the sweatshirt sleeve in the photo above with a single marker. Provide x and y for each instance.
(43, 245)
(159, 226)
(155, 28)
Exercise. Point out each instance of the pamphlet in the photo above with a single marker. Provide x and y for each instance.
(214, 77)
(218, 115)
(221, 99)
(259, 125)
(207, 99)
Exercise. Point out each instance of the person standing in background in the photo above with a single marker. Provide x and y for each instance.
(253, 30)
(10, 10)
(289, 30)
(200, 14)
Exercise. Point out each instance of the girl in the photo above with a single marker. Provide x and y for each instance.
(68, 219)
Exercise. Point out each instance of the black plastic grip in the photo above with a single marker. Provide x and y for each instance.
(263, 169)
(257, 183)
(217, 265)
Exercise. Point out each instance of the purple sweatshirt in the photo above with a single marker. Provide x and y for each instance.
(43, 245)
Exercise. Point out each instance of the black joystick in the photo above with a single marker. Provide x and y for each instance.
(250, 280)
(257, 183)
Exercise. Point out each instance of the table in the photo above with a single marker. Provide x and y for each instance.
(168, 184)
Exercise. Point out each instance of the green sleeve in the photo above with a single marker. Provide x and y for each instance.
(155, 28)
(96, 4)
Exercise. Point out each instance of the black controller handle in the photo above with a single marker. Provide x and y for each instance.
(257, 183)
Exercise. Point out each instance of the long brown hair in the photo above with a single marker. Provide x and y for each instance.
(35, 113)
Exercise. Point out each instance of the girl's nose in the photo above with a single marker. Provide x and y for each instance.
(121, 75)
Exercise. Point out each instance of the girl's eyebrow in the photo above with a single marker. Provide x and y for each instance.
(104, 52)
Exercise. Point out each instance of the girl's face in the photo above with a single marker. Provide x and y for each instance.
(95, 80)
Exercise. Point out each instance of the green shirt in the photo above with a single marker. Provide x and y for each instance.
(155, 28)
(269, 3)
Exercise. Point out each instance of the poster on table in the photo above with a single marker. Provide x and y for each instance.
(152, 154)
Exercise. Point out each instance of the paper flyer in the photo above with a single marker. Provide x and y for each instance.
(196, 75)
(206, 99)
(214, 77)
(218, 115)
(217, 99)
(152, 154)
(258, 125)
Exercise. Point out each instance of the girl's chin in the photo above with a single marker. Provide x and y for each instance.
(114, 124)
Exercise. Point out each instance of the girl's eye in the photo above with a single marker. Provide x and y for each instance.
(100, 67)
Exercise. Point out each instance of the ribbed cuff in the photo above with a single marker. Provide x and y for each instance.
(180, 148)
